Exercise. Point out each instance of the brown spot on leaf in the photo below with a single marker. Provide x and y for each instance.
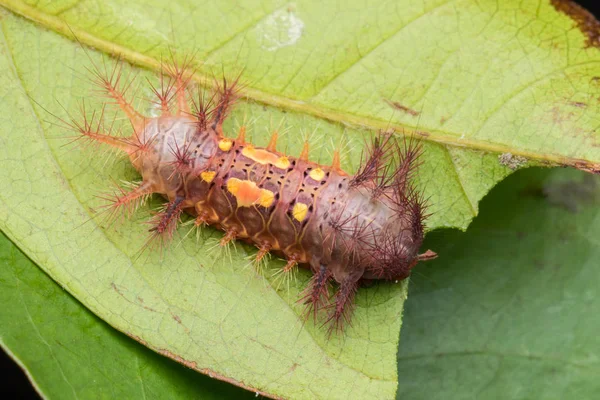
(116, 289)
(586, 166)
(578, 104)
(398, 106)
(559, 116)
(122, 291)
(585, 21)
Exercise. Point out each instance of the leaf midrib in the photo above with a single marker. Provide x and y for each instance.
(448, 139)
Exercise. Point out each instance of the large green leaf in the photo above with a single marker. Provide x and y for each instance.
(71, 354)
(513, 313)
(193, 304)
(485, 80)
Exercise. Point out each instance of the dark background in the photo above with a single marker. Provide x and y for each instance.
(591, 5)
(14, 384)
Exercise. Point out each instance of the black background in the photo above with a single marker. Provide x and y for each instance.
(14, 383)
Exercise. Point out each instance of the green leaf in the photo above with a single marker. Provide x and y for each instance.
(201, 308)
(487, 86)
(513, 311)
(71, 354)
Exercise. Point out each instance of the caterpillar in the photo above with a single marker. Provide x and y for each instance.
(347, 229)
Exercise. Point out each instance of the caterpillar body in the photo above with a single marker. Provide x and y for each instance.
(346, 228)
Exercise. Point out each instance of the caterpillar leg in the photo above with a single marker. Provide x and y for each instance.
(226, 243)
(287, 273)
(201, 220)
(262, 258)
(230, 235)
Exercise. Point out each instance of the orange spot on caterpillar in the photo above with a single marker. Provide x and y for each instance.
(265, 157)
(299, 211)
(225, 144)
(208, 176)
(282, 163)
(247, 193)
(317, 174)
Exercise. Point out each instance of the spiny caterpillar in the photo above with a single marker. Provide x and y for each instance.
(346, 228)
